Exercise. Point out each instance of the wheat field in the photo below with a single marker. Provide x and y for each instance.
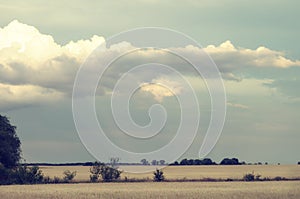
(151, 190)
(187, 172)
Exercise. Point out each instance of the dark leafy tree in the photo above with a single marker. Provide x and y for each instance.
(184, 162)
(10, 151)
(162, 162)
(227, 161)
(207, 161)
(198, 162)
(144, 162)
(190, 162)
(158, 175)
(174, 163)
(4, 175)
(154, 162)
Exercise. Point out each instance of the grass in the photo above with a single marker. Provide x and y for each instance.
(188, 172)
(149, 190)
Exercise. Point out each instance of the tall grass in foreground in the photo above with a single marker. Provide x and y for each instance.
(149, 190)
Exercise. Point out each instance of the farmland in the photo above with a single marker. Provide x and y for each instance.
(174, 189)
(187, 172)
(148, 190)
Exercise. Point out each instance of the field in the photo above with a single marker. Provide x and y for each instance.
(149, 190)
(188, 172)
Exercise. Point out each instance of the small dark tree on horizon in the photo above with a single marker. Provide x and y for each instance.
(144, 162)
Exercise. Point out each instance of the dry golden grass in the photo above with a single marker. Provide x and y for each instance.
(149, 190)
(189, 172)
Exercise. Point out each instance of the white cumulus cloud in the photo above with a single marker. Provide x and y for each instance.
(33, 67)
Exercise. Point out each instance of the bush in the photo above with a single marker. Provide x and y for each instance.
(158, 175)
(95, 172)
(249, 177)
(69, 176)
(107, 173)
(56, 180)
(5, 175)
(252, 177)
(27, 175)
(278, 178)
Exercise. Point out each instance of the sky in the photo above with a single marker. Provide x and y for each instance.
(255, 45)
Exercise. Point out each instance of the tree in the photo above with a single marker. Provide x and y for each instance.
(184, 162)
(227, 161)
(158, 175)
(144, 162)
(154, 162)
(207, 161)
(190, 162)
(162, 162)
(10, 151)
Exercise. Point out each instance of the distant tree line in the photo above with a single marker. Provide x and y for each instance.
(185, 161)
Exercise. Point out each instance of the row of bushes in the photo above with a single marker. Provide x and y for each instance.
(23, 174)
(256, 177)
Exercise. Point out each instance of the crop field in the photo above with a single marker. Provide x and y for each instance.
(174, 189)
(187, 172)
(149, 190)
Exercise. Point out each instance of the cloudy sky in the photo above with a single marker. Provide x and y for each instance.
(255, 45)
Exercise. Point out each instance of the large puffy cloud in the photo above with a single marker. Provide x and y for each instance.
(33, 67)
(29, 57)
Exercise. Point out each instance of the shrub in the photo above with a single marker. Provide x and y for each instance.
(4, 175)
(47, 180)
(107, 173)
(252, 177)
(158, 175)
(56, 180)
(95, 172)
(249, 177)
(278, 178)
(27, 175)
(69, 176)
